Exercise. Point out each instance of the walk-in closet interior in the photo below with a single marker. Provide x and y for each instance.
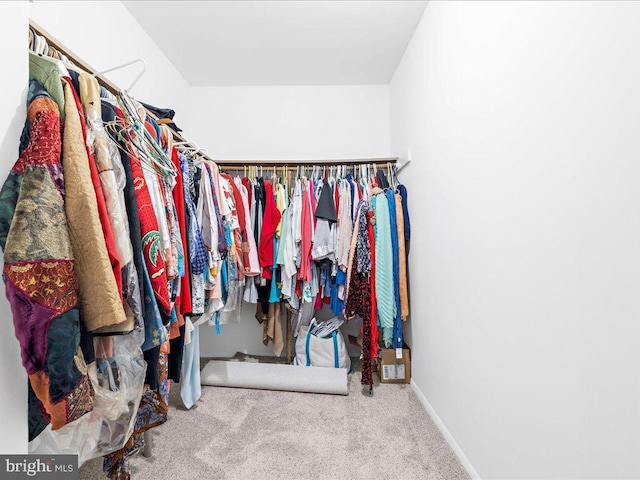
(320, 239)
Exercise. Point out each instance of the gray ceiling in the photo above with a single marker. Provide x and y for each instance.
(281, 42)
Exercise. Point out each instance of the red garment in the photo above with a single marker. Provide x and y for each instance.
(240, 236)
(245, 247)
(102, 205)
(304, 273)
(237, 198)
(151, 129)
(361, 300)
(183, 301)
(151, 243)
(247, 184)
(270, 221)
(174, 328)
(336, 194)
(372, 280)
(318, 305)
(314, 204)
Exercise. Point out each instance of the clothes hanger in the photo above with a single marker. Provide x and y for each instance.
(132, 62)
(166, 137)
(157, 153)
(285, 178)
(151, 153)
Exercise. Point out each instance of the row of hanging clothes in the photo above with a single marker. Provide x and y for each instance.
(300, 241)
(93, 226)
(120, 242)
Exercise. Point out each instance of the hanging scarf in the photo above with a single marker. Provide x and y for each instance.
(385, 296)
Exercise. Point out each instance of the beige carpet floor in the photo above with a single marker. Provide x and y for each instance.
(238, 434)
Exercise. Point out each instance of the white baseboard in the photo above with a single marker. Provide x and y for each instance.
(445, 433)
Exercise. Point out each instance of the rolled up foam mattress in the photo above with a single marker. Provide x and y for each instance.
(270, 376)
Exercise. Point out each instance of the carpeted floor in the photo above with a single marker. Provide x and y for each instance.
(238, 434)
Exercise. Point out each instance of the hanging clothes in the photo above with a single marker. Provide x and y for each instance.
(100, 293)
(271, 219)
(385, 292)
(144, 241)
(402, 257)
(361, 298)
(40, 275)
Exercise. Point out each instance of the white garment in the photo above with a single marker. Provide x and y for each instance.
(207, 219)
(158, 206)
(197, 290)
(229, 201)
(225, 211)
(345, 225)
(289, 269)
(254, 264)
(250, 291)
(324, 240)
(297, 215)
(190, 388)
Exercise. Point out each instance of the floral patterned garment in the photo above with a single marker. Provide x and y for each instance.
(151, 241)
(361, 295)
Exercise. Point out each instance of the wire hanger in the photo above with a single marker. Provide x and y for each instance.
(151, 152)
(132, 62)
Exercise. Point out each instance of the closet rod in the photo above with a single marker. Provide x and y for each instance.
(105, 82)
(230, 164)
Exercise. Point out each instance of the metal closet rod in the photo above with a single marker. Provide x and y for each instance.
(105, 82)
(231, 164)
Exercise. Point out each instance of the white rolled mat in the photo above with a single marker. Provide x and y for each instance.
(270, 376)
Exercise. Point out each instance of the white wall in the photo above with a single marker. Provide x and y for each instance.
(285, 122)
(291, 122)
(523, 120)
(13, 85)
(105, 35)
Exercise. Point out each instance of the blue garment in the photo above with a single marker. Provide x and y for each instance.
(154, 332)
(276, 291)
(353, 193)
(405, 212)
(337, 305)
(198, 256)
(223, 246)
(397, 320)
(224, 279)
(190, 388)
(155, 126)
(232, 267)
(385, 296)
(180, 248)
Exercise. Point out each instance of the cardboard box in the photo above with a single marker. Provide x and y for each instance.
(392, 369)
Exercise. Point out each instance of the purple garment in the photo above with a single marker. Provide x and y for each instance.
(31, 321)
